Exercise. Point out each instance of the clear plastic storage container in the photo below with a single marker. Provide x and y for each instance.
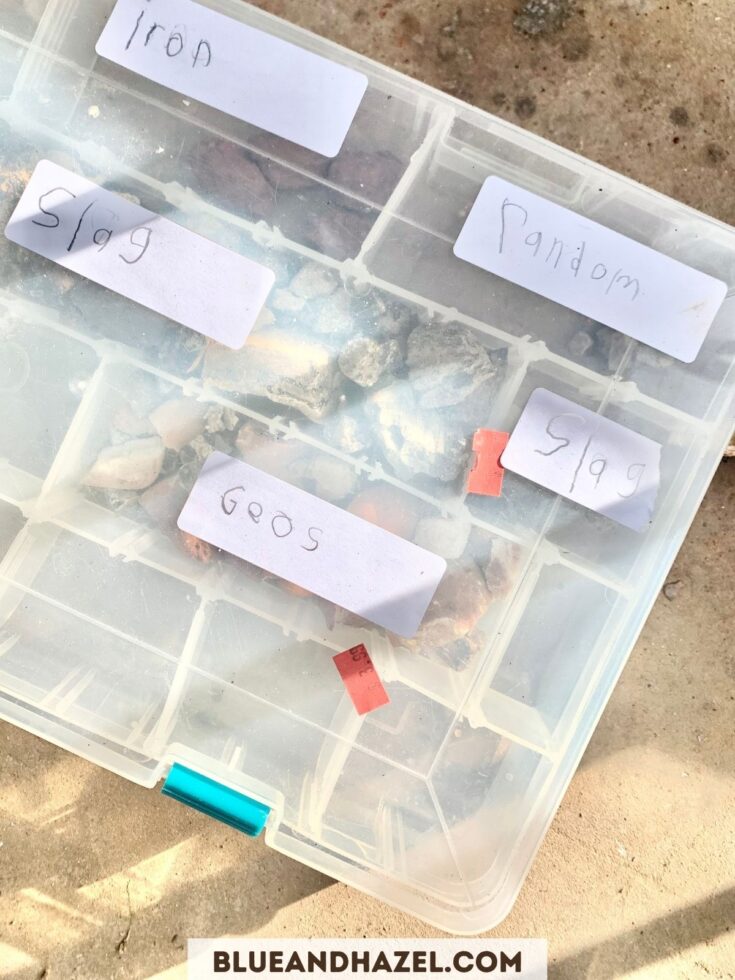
(378, 357)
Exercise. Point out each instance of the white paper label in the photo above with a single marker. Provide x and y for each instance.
(312, 543)
(589, 268)
(139, 254)
(236, 68)
(586, 458)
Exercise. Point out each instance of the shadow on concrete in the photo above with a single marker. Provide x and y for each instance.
(660, 938)
(120, 876)
(678, 684)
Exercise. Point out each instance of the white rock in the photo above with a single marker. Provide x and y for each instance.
(287, 302)
(132, 465)
(314, 280)
(443, 537)
(334, 479)
(178, 421)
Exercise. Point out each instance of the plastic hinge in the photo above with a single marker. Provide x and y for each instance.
(216, 800)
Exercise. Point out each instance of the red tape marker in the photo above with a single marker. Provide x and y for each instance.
(361, 679)
(486, 476)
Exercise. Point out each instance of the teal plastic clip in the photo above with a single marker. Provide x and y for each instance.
(216, 800)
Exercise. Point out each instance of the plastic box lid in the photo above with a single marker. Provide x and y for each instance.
(379, 356)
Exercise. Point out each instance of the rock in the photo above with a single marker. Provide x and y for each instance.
(448, 366)
(163, 502)
(277, 171)
(201, 550)
(285, 301)
(196, 451)
(672, 589)
(388, 507)
(580, 344)
(114, 499)
(612, 345)
(416, 441)
(126, 422)
(369, 175)
(444, 537)
(314, 280)
(543, 16)
(178, 421)
(459, 602)
(227, 176)
(365, 360)
(332, 315)
(281, 365)
(220, 418)
(394, 320)
(347, 430)
(502, 567)
(331, 478)
(132, 465)
(326, 222)
(258, 447)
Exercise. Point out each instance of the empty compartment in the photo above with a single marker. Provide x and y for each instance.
(488, 788)
(472, 150)
(73, 668)
(386, 818)
(258, 656)
(409, 730)
(11, 522)
(20, 18)
(563, 630)
(129, 597)
(220, 721)
(43, 377)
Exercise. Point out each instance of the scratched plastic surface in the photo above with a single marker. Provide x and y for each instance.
(378, 357)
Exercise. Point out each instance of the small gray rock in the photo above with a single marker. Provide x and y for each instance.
(331, 315)
(448, 365)
(314, 280)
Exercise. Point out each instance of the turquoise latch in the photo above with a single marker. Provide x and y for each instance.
(216, 800)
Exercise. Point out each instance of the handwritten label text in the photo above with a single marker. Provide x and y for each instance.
(312, 543)
(139, 254)
(587, 458)
(236, 68)
(589, 268)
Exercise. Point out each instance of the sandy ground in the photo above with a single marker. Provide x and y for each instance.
(636, 878)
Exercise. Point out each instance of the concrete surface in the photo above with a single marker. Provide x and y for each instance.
(636, 878)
